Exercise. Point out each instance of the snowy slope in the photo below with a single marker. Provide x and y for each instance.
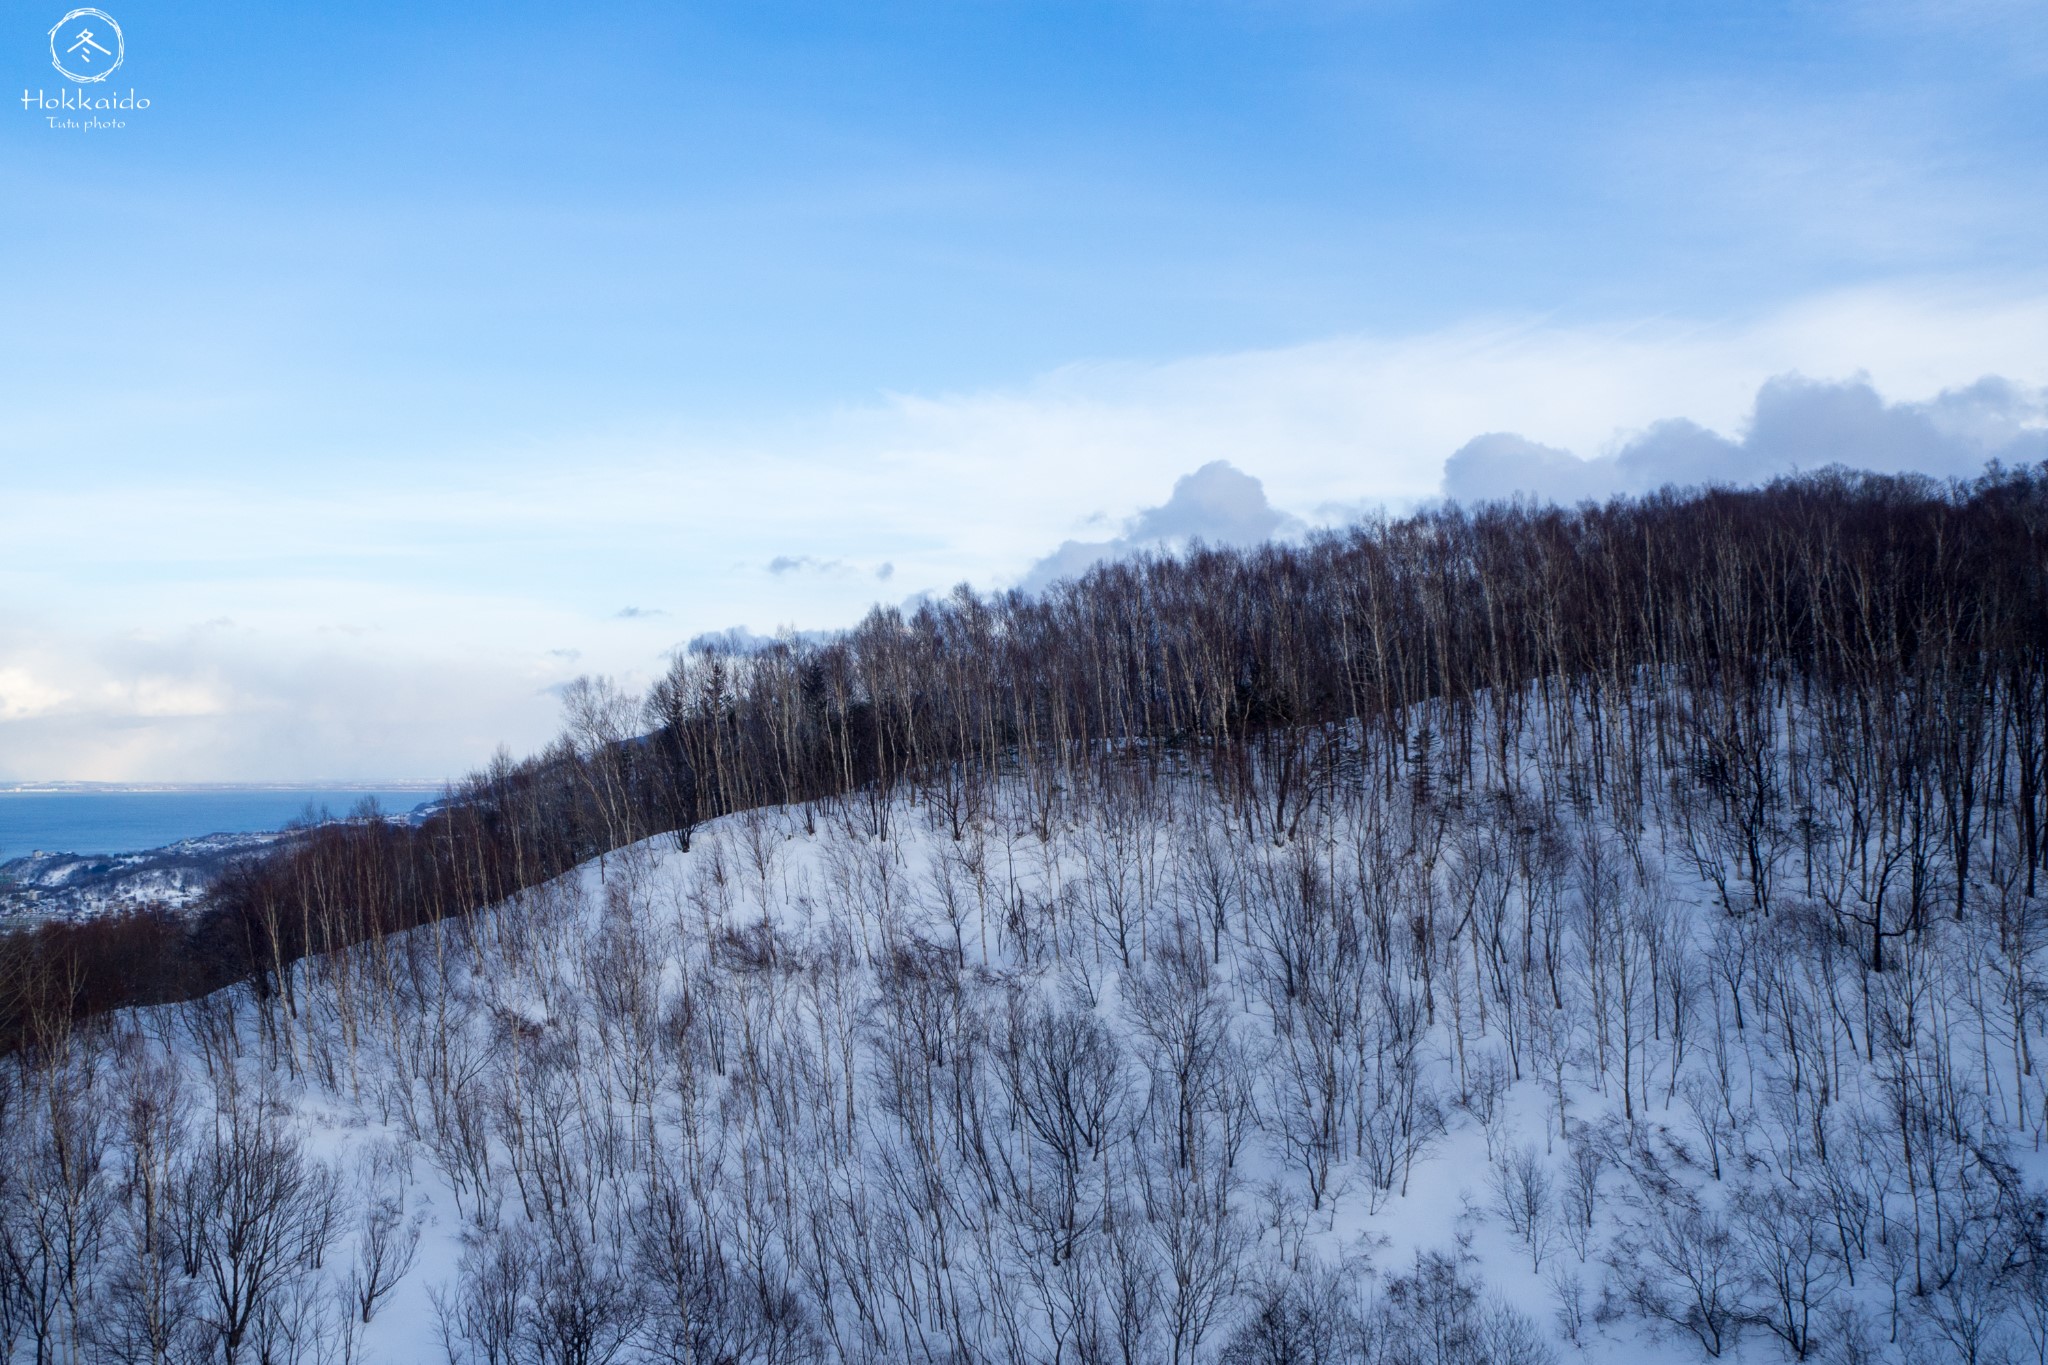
(1124, 1073)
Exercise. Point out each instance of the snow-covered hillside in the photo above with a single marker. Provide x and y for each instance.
(1386, 1072)
(77, 886)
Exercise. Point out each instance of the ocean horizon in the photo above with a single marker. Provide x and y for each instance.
(94, 819)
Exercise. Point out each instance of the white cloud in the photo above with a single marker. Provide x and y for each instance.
(221, 705)
(783, 564)
(1797, 424)
(1218, 504)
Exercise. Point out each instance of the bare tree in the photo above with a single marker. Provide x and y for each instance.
(1522, 1186)
(259, 1217)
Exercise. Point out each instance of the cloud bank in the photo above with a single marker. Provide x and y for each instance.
(1796, 424)
(1218, 504)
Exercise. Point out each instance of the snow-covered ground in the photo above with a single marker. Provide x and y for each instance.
(75, 886)
(57, 886)
(1111, 1070)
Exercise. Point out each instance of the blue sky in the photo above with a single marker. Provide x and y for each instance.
(400, 362)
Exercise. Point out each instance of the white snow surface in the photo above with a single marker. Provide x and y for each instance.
(846, 884)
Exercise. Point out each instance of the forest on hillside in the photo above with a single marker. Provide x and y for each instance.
(1492, 935)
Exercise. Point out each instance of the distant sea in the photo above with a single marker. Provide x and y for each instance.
(90, 820)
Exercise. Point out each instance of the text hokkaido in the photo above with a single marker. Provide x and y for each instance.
(78, 99)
